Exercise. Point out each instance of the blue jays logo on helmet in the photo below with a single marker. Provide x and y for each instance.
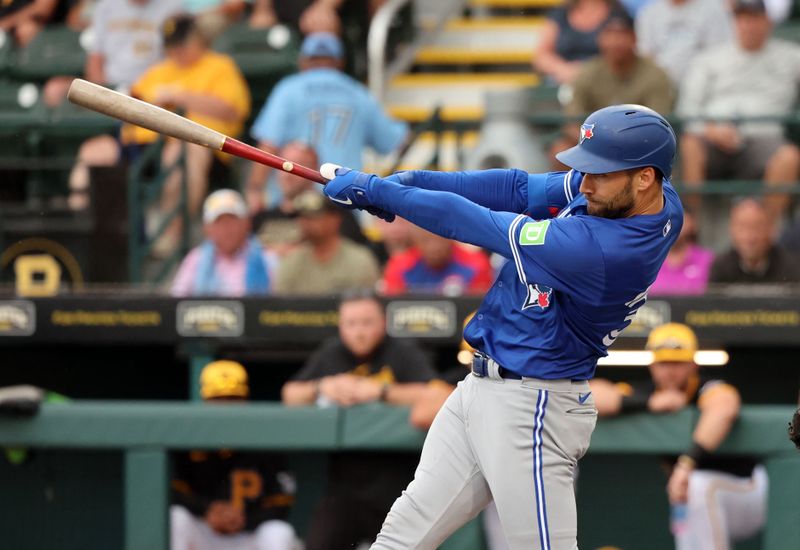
(587, 132)
(622, 137)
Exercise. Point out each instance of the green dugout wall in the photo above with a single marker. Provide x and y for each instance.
(97, 474)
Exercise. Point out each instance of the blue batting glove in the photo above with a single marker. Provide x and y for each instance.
(350, 189)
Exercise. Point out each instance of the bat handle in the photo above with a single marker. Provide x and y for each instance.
(236, 147)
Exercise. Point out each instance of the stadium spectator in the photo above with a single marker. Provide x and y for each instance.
(673, 32)
(754, 257)
(715, 499)
(230, 262)
(361, 365)
(277, 227)
(23, 19)
(437, 265)
(215, 16)
(389, 238)
(569, 37)
(229, 499)
(754, 76)
(127, 41)
(209, 88)
(325, 108)
(326, 262)
(618, 75)
(687, 267)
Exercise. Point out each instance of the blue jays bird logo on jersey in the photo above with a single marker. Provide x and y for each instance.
(539, 296)
(587, 132)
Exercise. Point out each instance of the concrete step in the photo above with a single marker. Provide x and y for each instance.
(492, 40)
(412, 97)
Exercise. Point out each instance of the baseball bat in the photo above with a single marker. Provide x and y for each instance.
(140, 113)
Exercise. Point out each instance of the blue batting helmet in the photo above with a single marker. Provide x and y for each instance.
(621, 137)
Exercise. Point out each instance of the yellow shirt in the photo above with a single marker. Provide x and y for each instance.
(213, 74)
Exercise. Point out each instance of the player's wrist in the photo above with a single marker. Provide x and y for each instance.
(697, 454)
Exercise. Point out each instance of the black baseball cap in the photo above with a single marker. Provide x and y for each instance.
(753, 6)
(619, 20)
(177, 29)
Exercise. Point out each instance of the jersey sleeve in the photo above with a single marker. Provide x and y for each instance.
(561, 253)
(505, 190)
(548, 193)
(272, 121)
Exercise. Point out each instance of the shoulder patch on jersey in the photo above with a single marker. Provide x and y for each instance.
(533, 233)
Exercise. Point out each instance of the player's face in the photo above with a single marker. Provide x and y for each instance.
(609, 195)
(362, 326)
(671, 375)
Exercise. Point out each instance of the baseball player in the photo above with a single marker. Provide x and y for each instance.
(715, 499)
(583, 247)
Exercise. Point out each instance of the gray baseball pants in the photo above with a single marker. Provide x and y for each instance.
(514, 441)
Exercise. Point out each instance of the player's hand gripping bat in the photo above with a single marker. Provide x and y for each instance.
(140, 113)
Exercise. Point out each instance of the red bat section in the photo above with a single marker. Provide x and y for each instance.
(239, 149)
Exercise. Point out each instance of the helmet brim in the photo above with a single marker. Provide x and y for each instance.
(581, 160)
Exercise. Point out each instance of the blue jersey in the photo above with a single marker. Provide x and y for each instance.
(573, 282)
(330, 111)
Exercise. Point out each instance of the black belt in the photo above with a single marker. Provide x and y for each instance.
(480, 368)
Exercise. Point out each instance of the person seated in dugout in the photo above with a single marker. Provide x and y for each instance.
(715, 499)
(361, 365)
(229, 499)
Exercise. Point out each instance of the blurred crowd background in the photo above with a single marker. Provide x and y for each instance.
(95, 211)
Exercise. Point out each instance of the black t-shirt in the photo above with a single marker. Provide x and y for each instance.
(260, 480)
(741, 465)
(393, 361)
(783, 267)
(374, 478)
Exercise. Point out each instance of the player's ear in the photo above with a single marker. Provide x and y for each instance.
(645, 177)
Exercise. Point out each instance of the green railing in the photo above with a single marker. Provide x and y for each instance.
(146, 431)
(143, 193)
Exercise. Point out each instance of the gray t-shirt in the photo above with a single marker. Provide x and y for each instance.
(128, 35)
(728, 82)
(672, 34)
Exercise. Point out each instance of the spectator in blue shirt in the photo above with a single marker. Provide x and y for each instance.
(325, 108)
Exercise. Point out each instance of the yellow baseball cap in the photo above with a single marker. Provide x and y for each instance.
(223, 379)
(672, 342)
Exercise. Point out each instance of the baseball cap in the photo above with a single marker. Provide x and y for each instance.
(224, 201)
(223, 379)
(619, 20)
(672, 342)
(311, 203)
(177, 29)
(749, 5)
(322, 44)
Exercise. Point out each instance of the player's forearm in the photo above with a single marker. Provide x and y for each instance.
(503, 190)
(300, 393)
(209, 106)
(717, 416)
(446, 214)
(405, 394)
(94, 70)
(607, 398)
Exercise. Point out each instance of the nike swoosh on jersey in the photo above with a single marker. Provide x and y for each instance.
(582, 398)
(340, 201)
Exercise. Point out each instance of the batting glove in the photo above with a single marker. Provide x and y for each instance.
(350, 189)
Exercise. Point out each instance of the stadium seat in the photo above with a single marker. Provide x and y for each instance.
(263, 55)
(55, 51)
